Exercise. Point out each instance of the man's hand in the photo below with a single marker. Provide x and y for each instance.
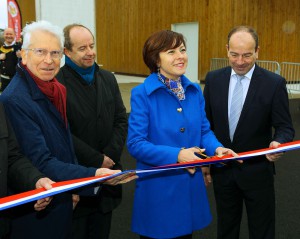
(206, 175)
(220, 151)
(120, 179)
(274, 156)
(2, 56)
(75, 199)
(107, 162)
(44, 202)
(18, 54)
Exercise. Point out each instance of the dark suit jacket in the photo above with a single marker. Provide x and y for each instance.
(15, 169)
(266, 108)
(98, 122)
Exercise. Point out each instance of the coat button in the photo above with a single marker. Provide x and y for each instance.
(179, 110)
(182, 130)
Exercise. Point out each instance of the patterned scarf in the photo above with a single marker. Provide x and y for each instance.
(174, 85)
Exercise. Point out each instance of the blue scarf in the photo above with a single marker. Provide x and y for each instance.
(86, 73)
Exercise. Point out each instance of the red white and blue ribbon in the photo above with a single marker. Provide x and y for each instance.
(18, 199)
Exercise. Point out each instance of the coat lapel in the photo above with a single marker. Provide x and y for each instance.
(254, 85)
(224, 88)
(100, 92)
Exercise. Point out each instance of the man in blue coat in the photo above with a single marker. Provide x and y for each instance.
(36, 106)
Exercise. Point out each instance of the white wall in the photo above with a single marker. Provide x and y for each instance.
(3, 14)
(64, 12)
(190, 31)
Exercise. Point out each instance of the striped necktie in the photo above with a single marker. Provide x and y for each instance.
(236, 105)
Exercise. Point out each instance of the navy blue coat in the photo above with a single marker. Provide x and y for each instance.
(45, 140)
(170, 203)
(15, 170)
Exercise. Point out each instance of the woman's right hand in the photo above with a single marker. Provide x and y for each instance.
(187, 155)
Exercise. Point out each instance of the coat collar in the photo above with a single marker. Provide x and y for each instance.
(36, 93)
(152, 83)
(34, 90)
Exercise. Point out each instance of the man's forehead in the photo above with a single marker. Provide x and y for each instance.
(45, 42)
(9, 30)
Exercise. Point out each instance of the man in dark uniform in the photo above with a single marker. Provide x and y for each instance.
(9, 54)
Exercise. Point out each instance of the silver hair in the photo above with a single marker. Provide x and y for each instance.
(41, 26)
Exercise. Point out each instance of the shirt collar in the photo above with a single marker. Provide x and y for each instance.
(14, 42)
(248, 75)
(152, 83)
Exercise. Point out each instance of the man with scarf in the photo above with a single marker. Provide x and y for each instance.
(97, 119)
(9, 55)
(35, 103)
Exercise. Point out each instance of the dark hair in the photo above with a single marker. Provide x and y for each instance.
(248, 29)
(68, 43)
(158, 42)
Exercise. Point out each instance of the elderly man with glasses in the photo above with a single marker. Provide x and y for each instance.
(35, 103)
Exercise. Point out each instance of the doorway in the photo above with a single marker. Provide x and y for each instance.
(190, 31)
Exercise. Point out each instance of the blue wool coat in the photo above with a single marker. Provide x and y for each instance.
(45, 140)
(172, 203)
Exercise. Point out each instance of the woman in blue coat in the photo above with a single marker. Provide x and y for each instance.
(168, 125)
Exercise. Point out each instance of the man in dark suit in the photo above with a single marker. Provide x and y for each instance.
(16, 171)
(263, 101)
(98, 120)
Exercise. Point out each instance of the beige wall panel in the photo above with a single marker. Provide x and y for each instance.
(122, 27)
(27, 8)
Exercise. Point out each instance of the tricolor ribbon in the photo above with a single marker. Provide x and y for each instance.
(59, 187)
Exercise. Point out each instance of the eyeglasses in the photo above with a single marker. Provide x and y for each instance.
(244, 56)
(40, 52)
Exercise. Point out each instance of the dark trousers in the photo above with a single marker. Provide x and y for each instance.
(181, 237)
(259, 202)
(4, 228)
(96, 225)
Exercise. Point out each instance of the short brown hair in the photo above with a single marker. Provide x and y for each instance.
(248, 29)
(68, 43)
(158, 42)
